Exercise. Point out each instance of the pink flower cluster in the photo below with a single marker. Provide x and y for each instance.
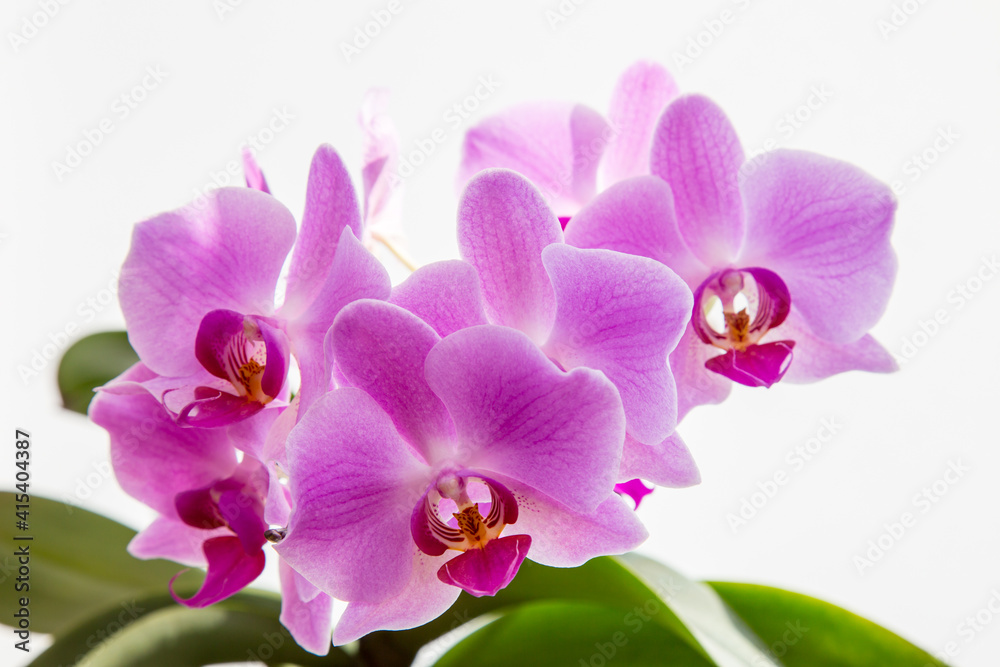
(487, 409)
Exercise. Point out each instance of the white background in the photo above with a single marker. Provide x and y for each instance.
(891, 93)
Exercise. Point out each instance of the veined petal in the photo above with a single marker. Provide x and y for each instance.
(174, 540)
(696, 151)
(823, 225)
(696, 385)
(381, 349)
(355, 274)
(186, 263)
(816, 359)
(423, 599)
(555, 145)
(230, 570)
(636, 216)
(445, 295)
(307, 617)
(563, 537)
(668, 463)
(622, 315)
(641, 94)
(153, 457)
(331, 207)
(518, 415)
(503, 226)
(354, 484)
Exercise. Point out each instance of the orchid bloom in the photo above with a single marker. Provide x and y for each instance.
(198, 294)
(569, 151)
(213, 508)
(445, 464)
(608, 311)
(789, 250)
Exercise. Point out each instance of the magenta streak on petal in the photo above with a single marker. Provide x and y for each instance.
(221, 344)
(563, 221)
(230, 570)
(634, 489)
(486, 571)
(244, 513)
(756, 366)
(196, 508)
(214, 408)
(251, 170)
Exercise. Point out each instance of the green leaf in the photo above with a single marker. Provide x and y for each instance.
(604, 581)
(91, 362)
(803, 631)
(157, 631)
(78, 565)
(571, 634)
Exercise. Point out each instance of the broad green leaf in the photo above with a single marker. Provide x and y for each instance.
(603, 581)
(725, 637)
(157, 631)
(78, 565)
(572, 634)
(91, 362)
(802, 631)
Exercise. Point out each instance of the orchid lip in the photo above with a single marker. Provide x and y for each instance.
(488, 562)
(735, 308)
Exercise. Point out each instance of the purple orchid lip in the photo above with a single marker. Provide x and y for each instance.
(753, 301)
(486, 571)
(757, 365)
(468, 529)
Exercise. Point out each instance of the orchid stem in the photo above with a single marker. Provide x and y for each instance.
(398, 252)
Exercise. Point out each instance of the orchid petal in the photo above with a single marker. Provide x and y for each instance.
(556, 145)
(381, 161)
(517, 414)
(823, 225)
(816, 359)
(696, 385)
(622, 315)
(252, 172)
(331, 207)
(445, 295)
(230, 570)
(562, 537)
(668, 463)
(423, 599)
(186, 263)
(503, 226)
(153, 457)
(696, 151)
(642, 92)
(355, 274)
(637, 217)
(307, 617)
(354, 483)
(174, 540)
(381, 348)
